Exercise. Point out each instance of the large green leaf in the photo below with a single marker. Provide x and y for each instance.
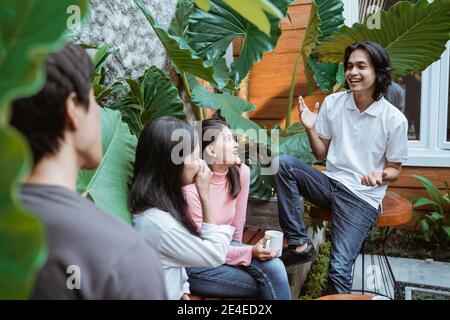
(29, 30)
(211, 33)
(179, 28)
(424, 201)
(436, 195)
(297, 145)
(252, 10)
(414, 35)
(231, 107)
(108, 184)
(293, 142)
(150, 96)
(180, 22)
(22, 239)
(179, 51)
(325, 18)
(160, 96)
(261, 186)
(325, 74)
(98, 82)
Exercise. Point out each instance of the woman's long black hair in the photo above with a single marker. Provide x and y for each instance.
(381, 64)
(157, 178)
(233, 176)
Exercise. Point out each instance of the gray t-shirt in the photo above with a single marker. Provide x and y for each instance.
(396, 96)
(114, 261)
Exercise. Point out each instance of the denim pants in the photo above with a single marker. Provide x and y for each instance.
(266, 280)
(352, 218)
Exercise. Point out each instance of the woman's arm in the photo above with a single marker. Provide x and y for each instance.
(178, 247)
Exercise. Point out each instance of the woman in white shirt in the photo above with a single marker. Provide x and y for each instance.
(167, 158)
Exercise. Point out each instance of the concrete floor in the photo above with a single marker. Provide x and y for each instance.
(429, 273)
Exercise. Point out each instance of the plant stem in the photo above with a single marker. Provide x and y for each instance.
(292, 89)
(198, 113)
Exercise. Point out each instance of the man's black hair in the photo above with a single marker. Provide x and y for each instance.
(381, 64)
(41, 117)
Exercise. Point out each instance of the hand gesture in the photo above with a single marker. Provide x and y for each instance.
(373, 178)
(202, 179)
(307, 118)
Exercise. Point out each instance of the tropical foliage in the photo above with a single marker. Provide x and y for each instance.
(414, 35)
(435, 225)
(201, 38)
(252, 10)
(29, 30)
(107, 186)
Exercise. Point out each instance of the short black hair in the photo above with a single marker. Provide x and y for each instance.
(41, 117)
(380, 61)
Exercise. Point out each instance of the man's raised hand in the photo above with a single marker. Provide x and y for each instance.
(307, 118)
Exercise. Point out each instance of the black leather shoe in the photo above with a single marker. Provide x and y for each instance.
(292, 257)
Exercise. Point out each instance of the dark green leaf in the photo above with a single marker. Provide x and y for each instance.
(161, 97)
(108, 184)
(414, 35)
(29, 31)
(231, 107)
(181, 54)
(211, 33)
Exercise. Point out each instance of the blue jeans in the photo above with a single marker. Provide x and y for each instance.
(260, 280)
(352, 219)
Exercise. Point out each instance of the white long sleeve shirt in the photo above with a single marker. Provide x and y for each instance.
(179, 249)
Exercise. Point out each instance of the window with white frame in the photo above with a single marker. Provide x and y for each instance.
(426, 98)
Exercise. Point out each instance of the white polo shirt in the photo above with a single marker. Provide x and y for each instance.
(361, 141)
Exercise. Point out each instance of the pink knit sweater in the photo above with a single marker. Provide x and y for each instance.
(226, 211)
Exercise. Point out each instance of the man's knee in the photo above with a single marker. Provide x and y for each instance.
(286, 163)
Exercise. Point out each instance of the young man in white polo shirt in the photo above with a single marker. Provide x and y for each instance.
(364, 141)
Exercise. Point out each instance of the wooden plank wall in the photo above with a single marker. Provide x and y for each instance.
(269, 89)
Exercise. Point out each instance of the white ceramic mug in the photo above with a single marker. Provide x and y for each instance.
(276, 242)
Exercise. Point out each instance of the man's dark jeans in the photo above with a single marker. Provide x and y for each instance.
(352, 219)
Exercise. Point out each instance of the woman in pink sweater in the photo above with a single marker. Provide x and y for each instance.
(249, 271)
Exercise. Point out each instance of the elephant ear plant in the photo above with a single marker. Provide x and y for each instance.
(254, 11)
(414, 35)
(200, 38)
(29, 31)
